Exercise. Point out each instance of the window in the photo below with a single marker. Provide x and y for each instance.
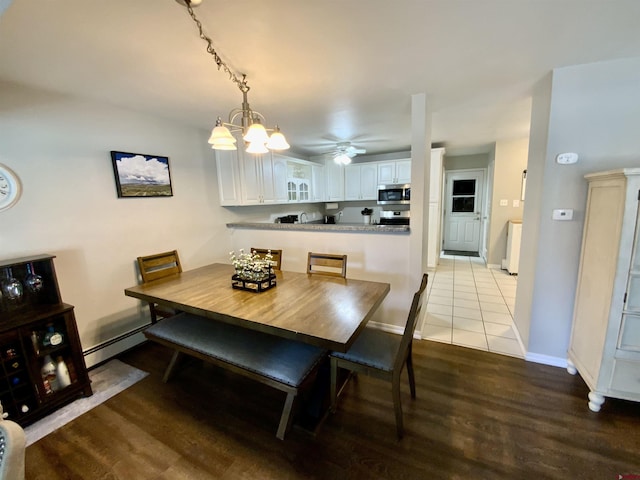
(464, 196)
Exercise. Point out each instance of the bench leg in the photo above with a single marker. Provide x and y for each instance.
(287, 417)
(174, 360)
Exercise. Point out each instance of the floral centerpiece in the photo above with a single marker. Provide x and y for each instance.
(253, 272)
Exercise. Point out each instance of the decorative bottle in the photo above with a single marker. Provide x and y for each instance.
(62, 373)
(51, 337)
(48, 373)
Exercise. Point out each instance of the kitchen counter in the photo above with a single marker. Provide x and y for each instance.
(322, 227)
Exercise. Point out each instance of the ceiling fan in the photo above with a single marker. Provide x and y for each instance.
(344, 152)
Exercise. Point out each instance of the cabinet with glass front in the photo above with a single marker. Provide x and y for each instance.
(43, 366)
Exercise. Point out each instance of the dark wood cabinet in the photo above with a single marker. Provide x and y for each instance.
(35, 326)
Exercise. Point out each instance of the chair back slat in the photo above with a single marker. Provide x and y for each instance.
(275, 254)
(160, 265)
(327, 264)
(412, 320)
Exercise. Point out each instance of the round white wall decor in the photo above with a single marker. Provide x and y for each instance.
(10, 188)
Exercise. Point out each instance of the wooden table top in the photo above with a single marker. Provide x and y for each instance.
(328, 312)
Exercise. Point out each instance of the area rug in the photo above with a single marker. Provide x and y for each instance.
(106, 381)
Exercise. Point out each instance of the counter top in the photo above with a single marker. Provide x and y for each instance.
(321, 227)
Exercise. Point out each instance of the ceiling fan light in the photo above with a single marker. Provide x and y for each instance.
(256, 133)
(277, 141)
(257, 147)
(342, 159)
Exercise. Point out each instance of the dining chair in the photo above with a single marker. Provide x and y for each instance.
(154, 267)
(13, 446)
(275, 254)
(327, 264)
(382, 355)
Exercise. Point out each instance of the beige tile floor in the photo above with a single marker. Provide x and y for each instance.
(471, 305)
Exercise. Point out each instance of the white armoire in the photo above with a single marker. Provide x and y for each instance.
(605, 338)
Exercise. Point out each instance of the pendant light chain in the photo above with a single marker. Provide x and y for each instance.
(254, 134)
(242, 84)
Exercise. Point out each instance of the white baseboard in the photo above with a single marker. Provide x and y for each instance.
(546, 360)
(110, 349)
(519, 339)
(397, 329)
(494, 266)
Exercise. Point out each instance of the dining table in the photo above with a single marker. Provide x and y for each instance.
(325, 311)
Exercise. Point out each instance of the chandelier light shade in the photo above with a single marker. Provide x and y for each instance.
(221, 138)
(254, 134)
(256, 147)
(277, 140)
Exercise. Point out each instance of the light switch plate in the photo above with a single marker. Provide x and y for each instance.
(504, 202)
(567, 158)
(562, 214)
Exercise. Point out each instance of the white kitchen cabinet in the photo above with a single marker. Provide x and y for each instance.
(334, 175)
(317, 183)
(264, 179)
(298, 181)
(361, 181)
(228, 177)
(280, 172)
(605, 337)
(397, 171)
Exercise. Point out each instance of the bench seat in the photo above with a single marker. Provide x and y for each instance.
(281, 363)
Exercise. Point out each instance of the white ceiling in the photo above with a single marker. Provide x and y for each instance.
(324, 71)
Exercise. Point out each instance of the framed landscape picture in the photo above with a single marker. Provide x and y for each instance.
(139, 175)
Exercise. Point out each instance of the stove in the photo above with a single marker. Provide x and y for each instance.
(394, 217)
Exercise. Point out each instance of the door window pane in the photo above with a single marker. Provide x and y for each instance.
(463, 204)
(464, 187)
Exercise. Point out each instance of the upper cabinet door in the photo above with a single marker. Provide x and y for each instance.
(228, 177)
(403, 171)
(317, 183)
(368, 181)
(386, 173)
(274, 178)
(279, 165)
(361, 181)
(397, 171)
(251, 175)
(335, 181)
(352, 182)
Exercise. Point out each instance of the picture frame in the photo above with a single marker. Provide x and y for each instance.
(141, 175)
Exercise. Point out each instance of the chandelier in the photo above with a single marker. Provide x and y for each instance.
(250, 121)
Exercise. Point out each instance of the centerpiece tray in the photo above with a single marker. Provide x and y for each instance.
(256, 286)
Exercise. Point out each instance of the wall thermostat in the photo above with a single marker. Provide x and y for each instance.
(566, 158)
(562, 214)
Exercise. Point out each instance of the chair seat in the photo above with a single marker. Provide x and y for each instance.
(373, 348)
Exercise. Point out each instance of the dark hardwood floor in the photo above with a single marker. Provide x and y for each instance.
(477, 416)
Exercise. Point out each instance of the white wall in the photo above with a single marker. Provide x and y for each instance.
(59, 147)
(510, 160)
(593, 110)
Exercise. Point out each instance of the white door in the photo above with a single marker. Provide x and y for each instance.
(463, 210)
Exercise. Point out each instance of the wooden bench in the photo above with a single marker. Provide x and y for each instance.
(281, 363)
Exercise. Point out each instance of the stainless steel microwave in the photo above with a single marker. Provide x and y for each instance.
(395, 194)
